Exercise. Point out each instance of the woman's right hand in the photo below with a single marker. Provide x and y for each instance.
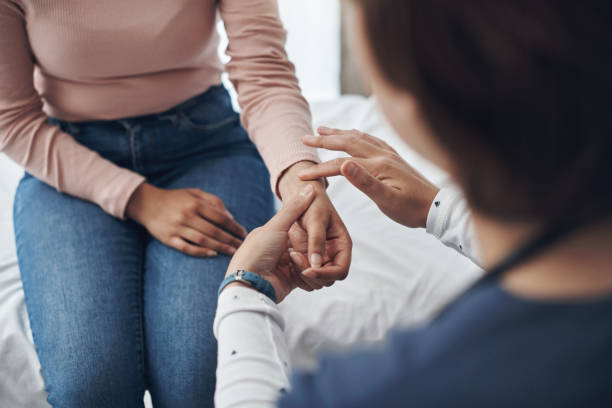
(188, 220)
(402, 193)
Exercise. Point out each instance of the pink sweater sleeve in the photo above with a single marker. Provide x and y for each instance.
(274, 112)
(40, 148)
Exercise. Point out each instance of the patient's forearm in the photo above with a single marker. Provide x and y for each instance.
(253, 361)
(450, 221)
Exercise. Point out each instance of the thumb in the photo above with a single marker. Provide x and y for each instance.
(363, 180)
(292, 210)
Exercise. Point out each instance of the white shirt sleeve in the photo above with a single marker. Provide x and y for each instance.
(449, 220)
(253, 357)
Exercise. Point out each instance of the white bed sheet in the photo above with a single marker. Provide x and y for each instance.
(398, 277)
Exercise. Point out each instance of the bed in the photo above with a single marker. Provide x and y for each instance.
(399, 277)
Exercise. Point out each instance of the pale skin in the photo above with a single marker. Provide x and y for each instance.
(576, 268)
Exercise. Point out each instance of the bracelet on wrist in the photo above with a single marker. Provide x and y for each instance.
(252, 280)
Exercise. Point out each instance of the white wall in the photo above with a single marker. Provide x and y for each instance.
(313, 45)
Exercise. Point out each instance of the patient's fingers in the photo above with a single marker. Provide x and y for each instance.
(331, 271)
(299, 238)
(299, 264)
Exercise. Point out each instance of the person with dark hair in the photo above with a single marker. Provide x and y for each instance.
(512, 98)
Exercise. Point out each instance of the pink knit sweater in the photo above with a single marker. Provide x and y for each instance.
(81, 60)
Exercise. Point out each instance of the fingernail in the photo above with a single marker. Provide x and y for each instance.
(297, 259)
(316, 260)
(324, 129)
(229, 214)
(309, 273)
(306, 191)
(232, 251)
(351, 169)
(303, 173)
(212, 253)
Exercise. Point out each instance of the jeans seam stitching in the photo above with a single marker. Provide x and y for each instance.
(140, 333)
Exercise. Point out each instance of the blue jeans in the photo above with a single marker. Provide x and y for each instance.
(114, 311)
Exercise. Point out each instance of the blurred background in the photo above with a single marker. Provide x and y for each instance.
(317, 47)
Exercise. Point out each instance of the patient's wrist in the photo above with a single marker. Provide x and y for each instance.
(290, 184)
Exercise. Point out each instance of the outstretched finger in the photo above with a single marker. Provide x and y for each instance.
(348, 143)
(327, 169)
(325, 131)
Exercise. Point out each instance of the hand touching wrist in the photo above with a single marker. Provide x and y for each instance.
(265, 251)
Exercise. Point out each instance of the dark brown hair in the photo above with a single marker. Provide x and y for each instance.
(518, 91)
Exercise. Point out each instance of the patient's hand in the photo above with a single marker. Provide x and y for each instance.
(375, 168)
(266, 250)
(319, 234)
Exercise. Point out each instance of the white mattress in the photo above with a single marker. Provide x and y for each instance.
(398, 277)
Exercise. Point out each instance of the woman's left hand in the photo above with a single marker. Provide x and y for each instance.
(265, 251)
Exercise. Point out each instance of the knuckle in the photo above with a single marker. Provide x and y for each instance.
(352, 138)
(386, 162)
(182, 216)
(379, 161)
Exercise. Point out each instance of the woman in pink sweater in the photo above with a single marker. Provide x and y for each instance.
(141, 182)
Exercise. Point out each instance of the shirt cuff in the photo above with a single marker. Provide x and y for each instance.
(124, 188)
(237, 299)
(440, 210)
